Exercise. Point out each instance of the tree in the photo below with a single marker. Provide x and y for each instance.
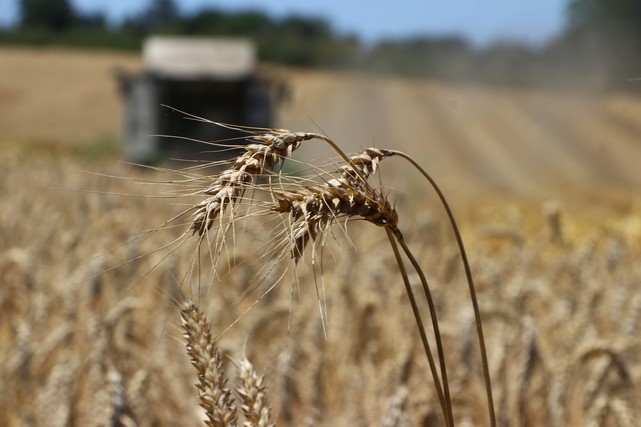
(607, 33)
(160, 14)
(604, 15)
(54, 15)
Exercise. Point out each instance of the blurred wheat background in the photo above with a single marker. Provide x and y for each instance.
(545, 186)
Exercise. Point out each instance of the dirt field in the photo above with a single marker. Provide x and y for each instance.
(486, 140)
(480, 142)
(60, 98)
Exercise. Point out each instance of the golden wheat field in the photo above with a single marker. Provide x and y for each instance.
(93, 274)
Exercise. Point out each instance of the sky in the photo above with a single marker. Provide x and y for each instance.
(479, 21)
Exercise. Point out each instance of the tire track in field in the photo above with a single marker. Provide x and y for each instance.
(593, 147)
(477, 140)
(407, 125)
(617, 142)
(626, 125)
(571, 122)
(342, 105)
(533, 148)
(468, 139)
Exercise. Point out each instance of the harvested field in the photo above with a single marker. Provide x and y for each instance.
(483, 142)
(545, 189)
(59, 98)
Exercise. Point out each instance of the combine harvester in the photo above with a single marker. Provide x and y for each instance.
(213, 78)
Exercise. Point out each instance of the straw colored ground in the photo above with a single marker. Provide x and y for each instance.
(485, 141)
(560, 299)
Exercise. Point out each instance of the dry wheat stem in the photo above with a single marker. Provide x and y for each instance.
(419, 322)
(312, 208)
(360, 167)
(435, 324)
(470, 281)
(368, 163)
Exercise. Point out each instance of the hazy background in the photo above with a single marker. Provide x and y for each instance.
(578, 43)
(498, 98)
(481, 22)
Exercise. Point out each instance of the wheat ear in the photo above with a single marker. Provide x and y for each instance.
(367, 163)
(315, 207)
(260, 157)
(252, 393)
(360, 167)
(214, 395)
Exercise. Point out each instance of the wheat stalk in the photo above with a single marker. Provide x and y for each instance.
(313, 207)
(252, 393)
(215, 396)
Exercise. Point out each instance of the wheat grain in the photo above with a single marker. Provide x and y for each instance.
(137, 395)
(258, 159)
(54, 402)
(253, 396)
(313, 209)
(215, 396)
(623, 412)
(396, 415)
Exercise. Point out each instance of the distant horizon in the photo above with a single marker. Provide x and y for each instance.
(482, 24)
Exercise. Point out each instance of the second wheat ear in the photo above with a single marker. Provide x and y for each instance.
(312, 207)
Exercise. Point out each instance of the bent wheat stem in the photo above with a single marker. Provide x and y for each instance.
(445, 405)
(470, 281)
(437, 333)
(312, 207)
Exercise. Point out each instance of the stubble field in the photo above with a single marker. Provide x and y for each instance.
(544, 184)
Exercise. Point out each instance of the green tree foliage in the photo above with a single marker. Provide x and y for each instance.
(304, 42)
(443, 57)
(294, 40)
(607, 35)
(600, 48)
(52, 15)
(604, 15)
(160, 14)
